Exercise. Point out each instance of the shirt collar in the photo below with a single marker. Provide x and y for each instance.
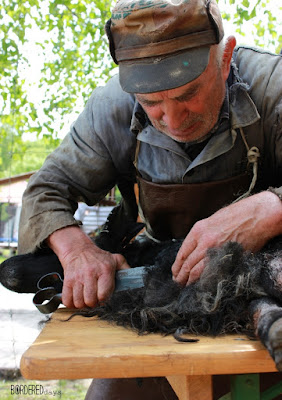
(223, 119)
(139, 118)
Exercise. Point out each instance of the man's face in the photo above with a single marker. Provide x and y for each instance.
(189, 112)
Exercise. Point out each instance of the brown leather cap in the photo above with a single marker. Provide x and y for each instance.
(162, 44)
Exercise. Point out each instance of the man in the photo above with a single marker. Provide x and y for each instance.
(202, 124)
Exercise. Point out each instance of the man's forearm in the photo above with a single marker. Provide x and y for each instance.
(67, 240)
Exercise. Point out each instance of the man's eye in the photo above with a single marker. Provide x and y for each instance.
(188, 96)
(151, 104)
(148, 103)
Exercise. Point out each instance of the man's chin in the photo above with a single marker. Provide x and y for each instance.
(192, 134)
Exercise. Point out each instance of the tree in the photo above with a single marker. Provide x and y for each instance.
(74, 31)
(75, 58)
(17, 157)
(257, 19)
(70, 37)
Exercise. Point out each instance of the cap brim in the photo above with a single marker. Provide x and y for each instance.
(163, 73)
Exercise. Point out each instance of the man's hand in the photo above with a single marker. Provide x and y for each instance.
(89, 272)
(251, 222)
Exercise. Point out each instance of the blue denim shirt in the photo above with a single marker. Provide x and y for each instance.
(99, 150)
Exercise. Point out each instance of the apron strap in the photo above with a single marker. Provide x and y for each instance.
(253, 155)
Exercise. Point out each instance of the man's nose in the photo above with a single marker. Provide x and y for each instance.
(174, 114)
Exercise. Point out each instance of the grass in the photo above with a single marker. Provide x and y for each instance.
(4, 254)
(2, 258)
(46, 390)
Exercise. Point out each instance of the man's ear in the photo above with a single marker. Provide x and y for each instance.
(230, 43)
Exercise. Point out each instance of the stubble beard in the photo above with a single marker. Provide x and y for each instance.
(206, 123)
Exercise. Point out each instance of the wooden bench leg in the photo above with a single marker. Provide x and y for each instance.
(192, 387)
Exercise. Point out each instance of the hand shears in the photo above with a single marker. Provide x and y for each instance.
(49, 295)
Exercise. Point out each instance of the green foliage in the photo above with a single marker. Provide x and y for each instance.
(262, 16)
(75, 56)
(4, 207)
(72, 44)
(80, 52)
(14, 106)
(17, 156)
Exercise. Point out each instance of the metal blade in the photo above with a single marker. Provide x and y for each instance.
(130, 278)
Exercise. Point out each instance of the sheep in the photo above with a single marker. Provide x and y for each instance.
(238, 292)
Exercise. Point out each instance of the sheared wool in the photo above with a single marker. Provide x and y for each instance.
(215, 304)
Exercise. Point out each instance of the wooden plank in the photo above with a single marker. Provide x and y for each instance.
(90, 348)
(193, 387)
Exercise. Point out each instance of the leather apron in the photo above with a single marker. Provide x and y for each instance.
(170, 210)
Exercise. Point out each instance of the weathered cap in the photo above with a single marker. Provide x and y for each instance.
(162, 44)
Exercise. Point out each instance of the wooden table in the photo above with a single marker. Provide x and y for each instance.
(89, 348)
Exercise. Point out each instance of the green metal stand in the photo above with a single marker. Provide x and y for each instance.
(272, 392)
(247, 387)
